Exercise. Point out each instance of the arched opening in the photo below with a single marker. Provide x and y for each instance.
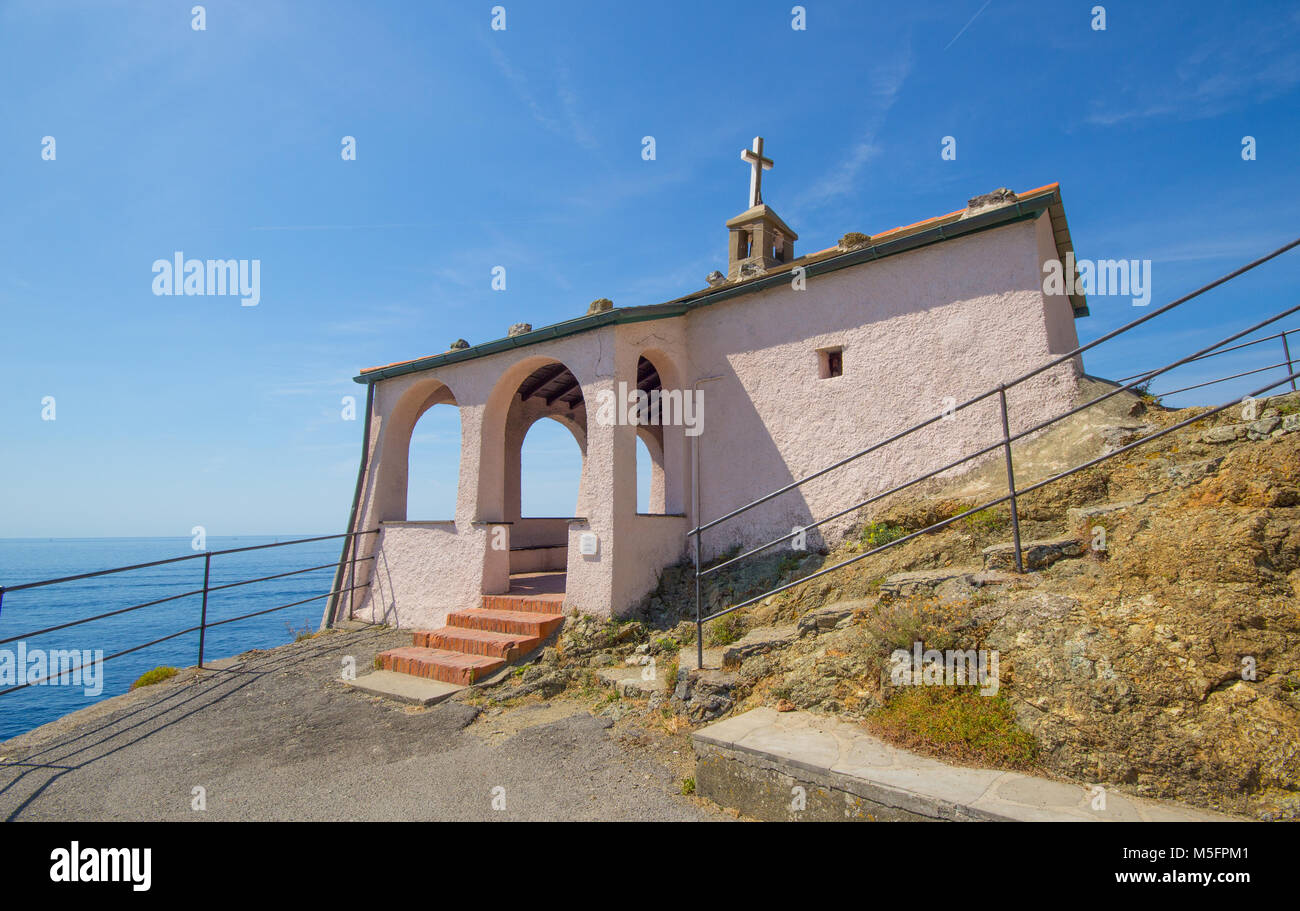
(650, 470)
(550, 471)
(437, 455)
(533, 469)
(433, 465)
(661, 437)
(644, 470)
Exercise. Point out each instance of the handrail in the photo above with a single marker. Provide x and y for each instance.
(188, 594)
(1267, 338)
(197, 556)
(192, 629)
(1235, 376)
(1007, 438)
(204, 625)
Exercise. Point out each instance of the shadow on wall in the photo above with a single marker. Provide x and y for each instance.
(732, 475)
(381, 570)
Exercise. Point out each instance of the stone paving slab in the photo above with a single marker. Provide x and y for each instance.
(628, 681)
(405, 687)
(758, 641)
(764, 748)
(687, 658)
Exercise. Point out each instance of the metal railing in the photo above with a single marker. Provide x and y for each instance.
(1286, 362)
(204, 624)
(1138, 382)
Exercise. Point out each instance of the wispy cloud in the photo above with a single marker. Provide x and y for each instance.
(567, 120)
(380, 319)
(335, 227)
(1218, 75)
(886, 79)
(842, 178)
(1237, 249)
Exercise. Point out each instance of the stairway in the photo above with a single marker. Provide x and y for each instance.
(478, 641)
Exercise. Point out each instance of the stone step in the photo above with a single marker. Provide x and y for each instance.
(829, 616)
(1035, 554)
(630, 682)
(405, 688)
(477, 642)
(758, 641)
(952, 583)
(537, 604)
(927, 581)
(688, 658)
(521, 623)
(438, 664)
(1076, 516)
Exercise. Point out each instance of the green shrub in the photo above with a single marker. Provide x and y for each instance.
(299, 635)
(956, 722)
(789, 563)
(1143, 391)
(671, 668)
(878, 534)
(157, 675)
(935, 622)
(724, 630)
(987, 521)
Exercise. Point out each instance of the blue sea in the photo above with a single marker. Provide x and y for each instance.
(29, 560)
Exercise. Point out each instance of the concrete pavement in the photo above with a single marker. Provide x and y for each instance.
(278, 735)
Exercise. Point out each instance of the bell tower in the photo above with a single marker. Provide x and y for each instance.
(759, 239)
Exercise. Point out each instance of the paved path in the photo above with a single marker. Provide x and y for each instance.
(280, 736)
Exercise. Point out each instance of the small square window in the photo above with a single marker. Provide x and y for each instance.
(830, 362)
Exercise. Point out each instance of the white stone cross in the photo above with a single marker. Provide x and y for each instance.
(758, 164)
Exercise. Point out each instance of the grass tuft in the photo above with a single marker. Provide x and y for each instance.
(157, 675)
(956, 722)
(878, 534)
(986, 521)
(724, 630)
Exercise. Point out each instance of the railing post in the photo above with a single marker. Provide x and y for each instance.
(203, 618)
(699, 624)
(1290, 366)
(2, 597)
(1011, 476)
(352, 578)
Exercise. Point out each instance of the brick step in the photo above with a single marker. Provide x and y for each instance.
(508, 646)
(520, 623)
(439, 664)
(539, 604)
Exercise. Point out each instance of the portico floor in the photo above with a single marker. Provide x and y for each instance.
(551, 583)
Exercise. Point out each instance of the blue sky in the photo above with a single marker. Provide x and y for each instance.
(522, 148)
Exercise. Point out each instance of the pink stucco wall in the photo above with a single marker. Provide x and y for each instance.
(944, 321)
(423, 570)
(949, 320)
